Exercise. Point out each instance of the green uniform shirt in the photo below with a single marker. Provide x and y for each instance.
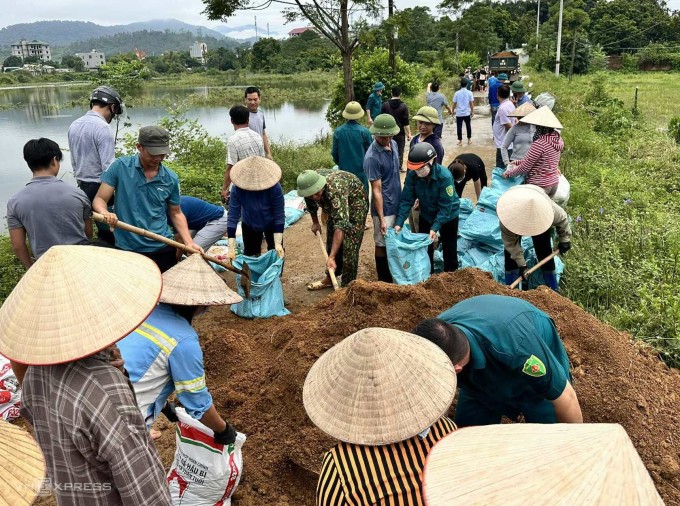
(438, 199)
(516, 354)
(374, 105)
(350, 143)
(343, 199)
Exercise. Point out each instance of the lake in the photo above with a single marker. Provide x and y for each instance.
(48, 111)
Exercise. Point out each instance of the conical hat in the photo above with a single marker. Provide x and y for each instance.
(22, 466)
(193, 282)
(379, 386)
(542, 116)
(255, 173)
(75, 301)
(517, 464)
(525, 210)
(523, 110)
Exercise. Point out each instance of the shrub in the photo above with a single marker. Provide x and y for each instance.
(674, 128)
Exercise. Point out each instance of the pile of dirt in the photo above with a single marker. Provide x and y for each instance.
(256, 369)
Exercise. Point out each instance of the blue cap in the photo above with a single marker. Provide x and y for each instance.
(380, 86)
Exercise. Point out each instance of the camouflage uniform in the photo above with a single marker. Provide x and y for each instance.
(346, 204)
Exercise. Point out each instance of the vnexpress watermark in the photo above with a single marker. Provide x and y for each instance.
(46, 487)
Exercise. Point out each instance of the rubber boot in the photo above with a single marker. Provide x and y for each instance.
(511, 276)
(551, 280)
(383, 269)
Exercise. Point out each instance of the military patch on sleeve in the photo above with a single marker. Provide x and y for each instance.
(449, 190)
(534, 367)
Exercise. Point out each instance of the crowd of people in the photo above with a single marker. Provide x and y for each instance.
(92, 403)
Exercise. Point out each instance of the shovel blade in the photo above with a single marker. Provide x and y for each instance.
(245, 279)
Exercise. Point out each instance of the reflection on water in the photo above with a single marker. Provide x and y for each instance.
(48, 112)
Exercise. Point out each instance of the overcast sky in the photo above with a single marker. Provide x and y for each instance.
(189, 11)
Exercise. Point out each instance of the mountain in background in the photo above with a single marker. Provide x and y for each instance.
(62, 33)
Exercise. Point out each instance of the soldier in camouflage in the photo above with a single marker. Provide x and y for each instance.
(342, 197)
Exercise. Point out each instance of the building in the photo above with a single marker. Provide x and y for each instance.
(24, 49)
(198, 51)
(296, 32)
(522, 55)
(92, 60)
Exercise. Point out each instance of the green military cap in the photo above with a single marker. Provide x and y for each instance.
(427, 114)
(518, 87)
(384, 125)
(353, 110)
(309, 183)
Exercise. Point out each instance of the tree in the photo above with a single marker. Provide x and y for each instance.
(72, 62)
(13, 61)
(264, 52)
(329, 17)
(221, 59)
(32, 59)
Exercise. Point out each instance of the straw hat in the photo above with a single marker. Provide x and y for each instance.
(22, 466)
(255, 173)
(542, 116)
(353, 110)
(515, 464)
(428, 115)
(379, 386)
(76, 301)
(193, 282)
(523, 110)
(525, 210)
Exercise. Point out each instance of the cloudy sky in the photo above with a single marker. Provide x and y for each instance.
(189, 11)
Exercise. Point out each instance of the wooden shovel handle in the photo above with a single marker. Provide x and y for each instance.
(535, 267)
(156, 237)
(334, 280)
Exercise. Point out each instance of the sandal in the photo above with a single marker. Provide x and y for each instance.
(318, 285)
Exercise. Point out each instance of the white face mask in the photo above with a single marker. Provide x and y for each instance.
(424, 171)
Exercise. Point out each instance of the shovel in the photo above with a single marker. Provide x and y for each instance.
(245, 272)
(534, 268)
(334, 280)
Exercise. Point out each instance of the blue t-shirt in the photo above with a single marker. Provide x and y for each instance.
(494, 84)
(199, 212)
(163, 356)
(380, 164)
(516, 354)
(140, 202)
(462, 98)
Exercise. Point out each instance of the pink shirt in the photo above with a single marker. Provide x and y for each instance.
(540, 164)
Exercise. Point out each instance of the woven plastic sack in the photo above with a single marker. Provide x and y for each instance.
(500, 184)
(203, 473)
(466, 208)
(407, 256)
(545, 100)
(563, 192)
(266, 290)
(294, 207)
(483, 227)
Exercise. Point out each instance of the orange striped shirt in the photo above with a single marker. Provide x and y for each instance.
(386, 475)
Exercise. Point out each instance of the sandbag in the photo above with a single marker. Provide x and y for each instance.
(465, 209)
(407, 256)
(545, 99)
(500, 184)
(266, 291)
(563, 192)
(483, 227)
(203, 473)
(294, 207)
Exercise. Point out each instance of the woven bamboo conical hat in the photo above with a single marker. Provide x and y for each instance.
(379, 386)
(555, 464)
(255, 173)
(525, 210)
(75, 301)
(523, 110)
(193, 282)
(22, 466)
(542, 116)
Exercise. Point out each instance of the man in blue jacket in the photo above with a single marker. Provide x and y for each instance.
(439, 205)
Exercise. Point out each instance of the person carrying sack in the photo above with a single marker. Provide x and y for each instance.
(527, 210)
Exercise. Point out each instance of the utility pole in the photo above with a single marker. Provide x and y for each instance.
(392, 59)
(256, 36)
(559, 41)
(267, 29)
(538, 21)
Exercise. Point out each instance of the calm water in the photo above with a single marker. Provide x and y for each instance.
(48, 112)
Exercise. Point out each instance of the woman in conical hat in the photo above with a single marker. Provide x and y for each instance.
(540, 164)
(257, 201)
(383, 393)
(520, 136)
(527, 210)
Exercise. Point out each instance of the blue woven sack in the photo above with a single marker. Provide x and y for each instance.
(407, 256)
(266, 290)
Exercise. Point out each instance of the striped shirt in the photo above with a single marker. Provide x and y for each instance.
(541, 161)
(388, 475)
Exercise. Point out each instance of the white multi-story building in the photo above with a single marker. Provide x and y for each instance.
(198, 51)
(92, 60)
(24, 49)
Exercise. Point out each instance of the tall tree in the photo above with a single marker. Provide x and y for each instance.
(330, 17)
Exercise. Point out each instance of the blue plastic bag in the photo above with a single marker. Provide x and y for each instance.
(294, 207)
(501, 184)
(407, 256)
(266, 290)
(483, 227)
